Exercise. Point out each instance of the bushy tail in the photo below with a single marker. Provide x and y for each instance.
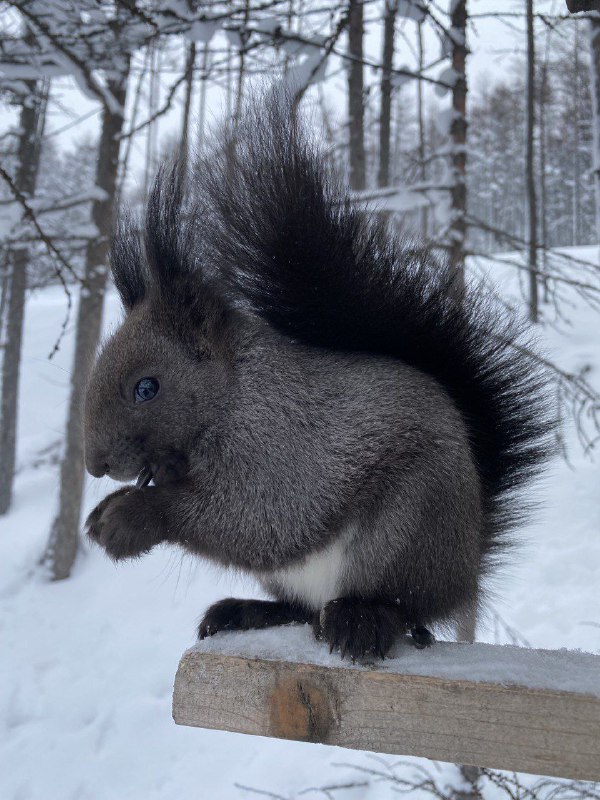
(285, 238)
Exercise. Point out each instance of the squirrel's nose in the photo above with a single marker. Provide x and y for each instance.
(97, 465)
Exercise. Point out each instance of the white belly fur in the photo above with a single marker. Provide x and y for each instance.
(314, 581)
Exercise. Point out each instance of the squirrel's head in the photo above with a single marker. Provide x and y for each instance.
(159, 381)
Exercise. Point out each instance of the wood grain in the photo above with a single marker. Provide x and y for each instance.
(481, 723)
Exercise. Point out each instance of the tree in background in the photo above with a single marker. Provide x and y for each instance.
(594, 38)
(64, 536)
(530, 168)
(385, 116)
(458, 224)
(356, 101)
(31, 126)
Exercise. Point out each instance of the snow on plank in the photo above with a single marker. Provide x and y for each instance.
(504, 707)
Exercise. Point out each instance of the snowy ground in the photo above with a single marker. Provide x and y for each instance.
(87, 665)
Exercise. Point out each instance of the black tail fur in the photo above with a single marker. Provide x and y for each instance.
(287, 241)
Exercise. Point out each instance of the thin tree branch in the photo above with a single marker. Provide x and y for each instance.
(30, 215)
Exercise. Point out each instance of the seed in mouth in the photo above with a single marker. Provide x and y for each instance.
(144, 478)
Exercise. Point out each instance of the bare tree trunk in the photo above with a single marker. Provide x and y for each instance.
(189, 88)
(576, 142)
(530, 168)
(4, 278)
(356, 108)
(202, 101)
(458, 225)
(228, 80)
(64, 536)
(383, 176)
(543, 196)
(399, 119)
(543, 179)
(422, 166)
(289, 23)
(31, 127)
(153, 90)
(239, 96)
(470, 776)
(137, 95)
(594, 33)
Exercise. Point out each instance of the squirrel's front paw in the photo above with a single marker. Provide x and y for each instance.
(122, 524)
(91, 525)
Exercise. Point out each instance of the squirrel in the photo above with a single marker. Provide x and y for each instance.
(307, 398)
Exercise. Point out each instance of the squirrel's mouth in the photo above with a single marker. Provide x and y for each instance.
(169, 469)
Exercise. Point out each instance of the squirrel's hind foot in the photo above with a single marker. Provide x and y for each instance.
(232, 614)
(359, 628)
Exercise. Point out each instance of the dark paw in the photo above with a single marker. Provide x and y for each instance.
(121, 524)
(359, 628)
(422, 637)
(91, 525)
(232, 614)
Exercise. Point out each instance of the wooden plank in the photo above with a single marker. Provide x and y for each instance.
(483, 705)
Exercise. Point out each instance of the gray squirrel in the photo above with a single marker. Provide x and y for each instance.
(307, 399)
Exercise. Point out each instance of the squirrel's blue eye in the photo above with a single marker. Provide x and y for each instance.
(145, 390)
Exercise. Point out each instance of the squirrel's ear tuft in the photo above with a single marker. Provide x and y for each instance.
(127, 262)
(169, 231)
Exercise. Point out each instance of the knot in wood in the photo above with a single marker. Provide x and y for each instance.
(302, 709)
